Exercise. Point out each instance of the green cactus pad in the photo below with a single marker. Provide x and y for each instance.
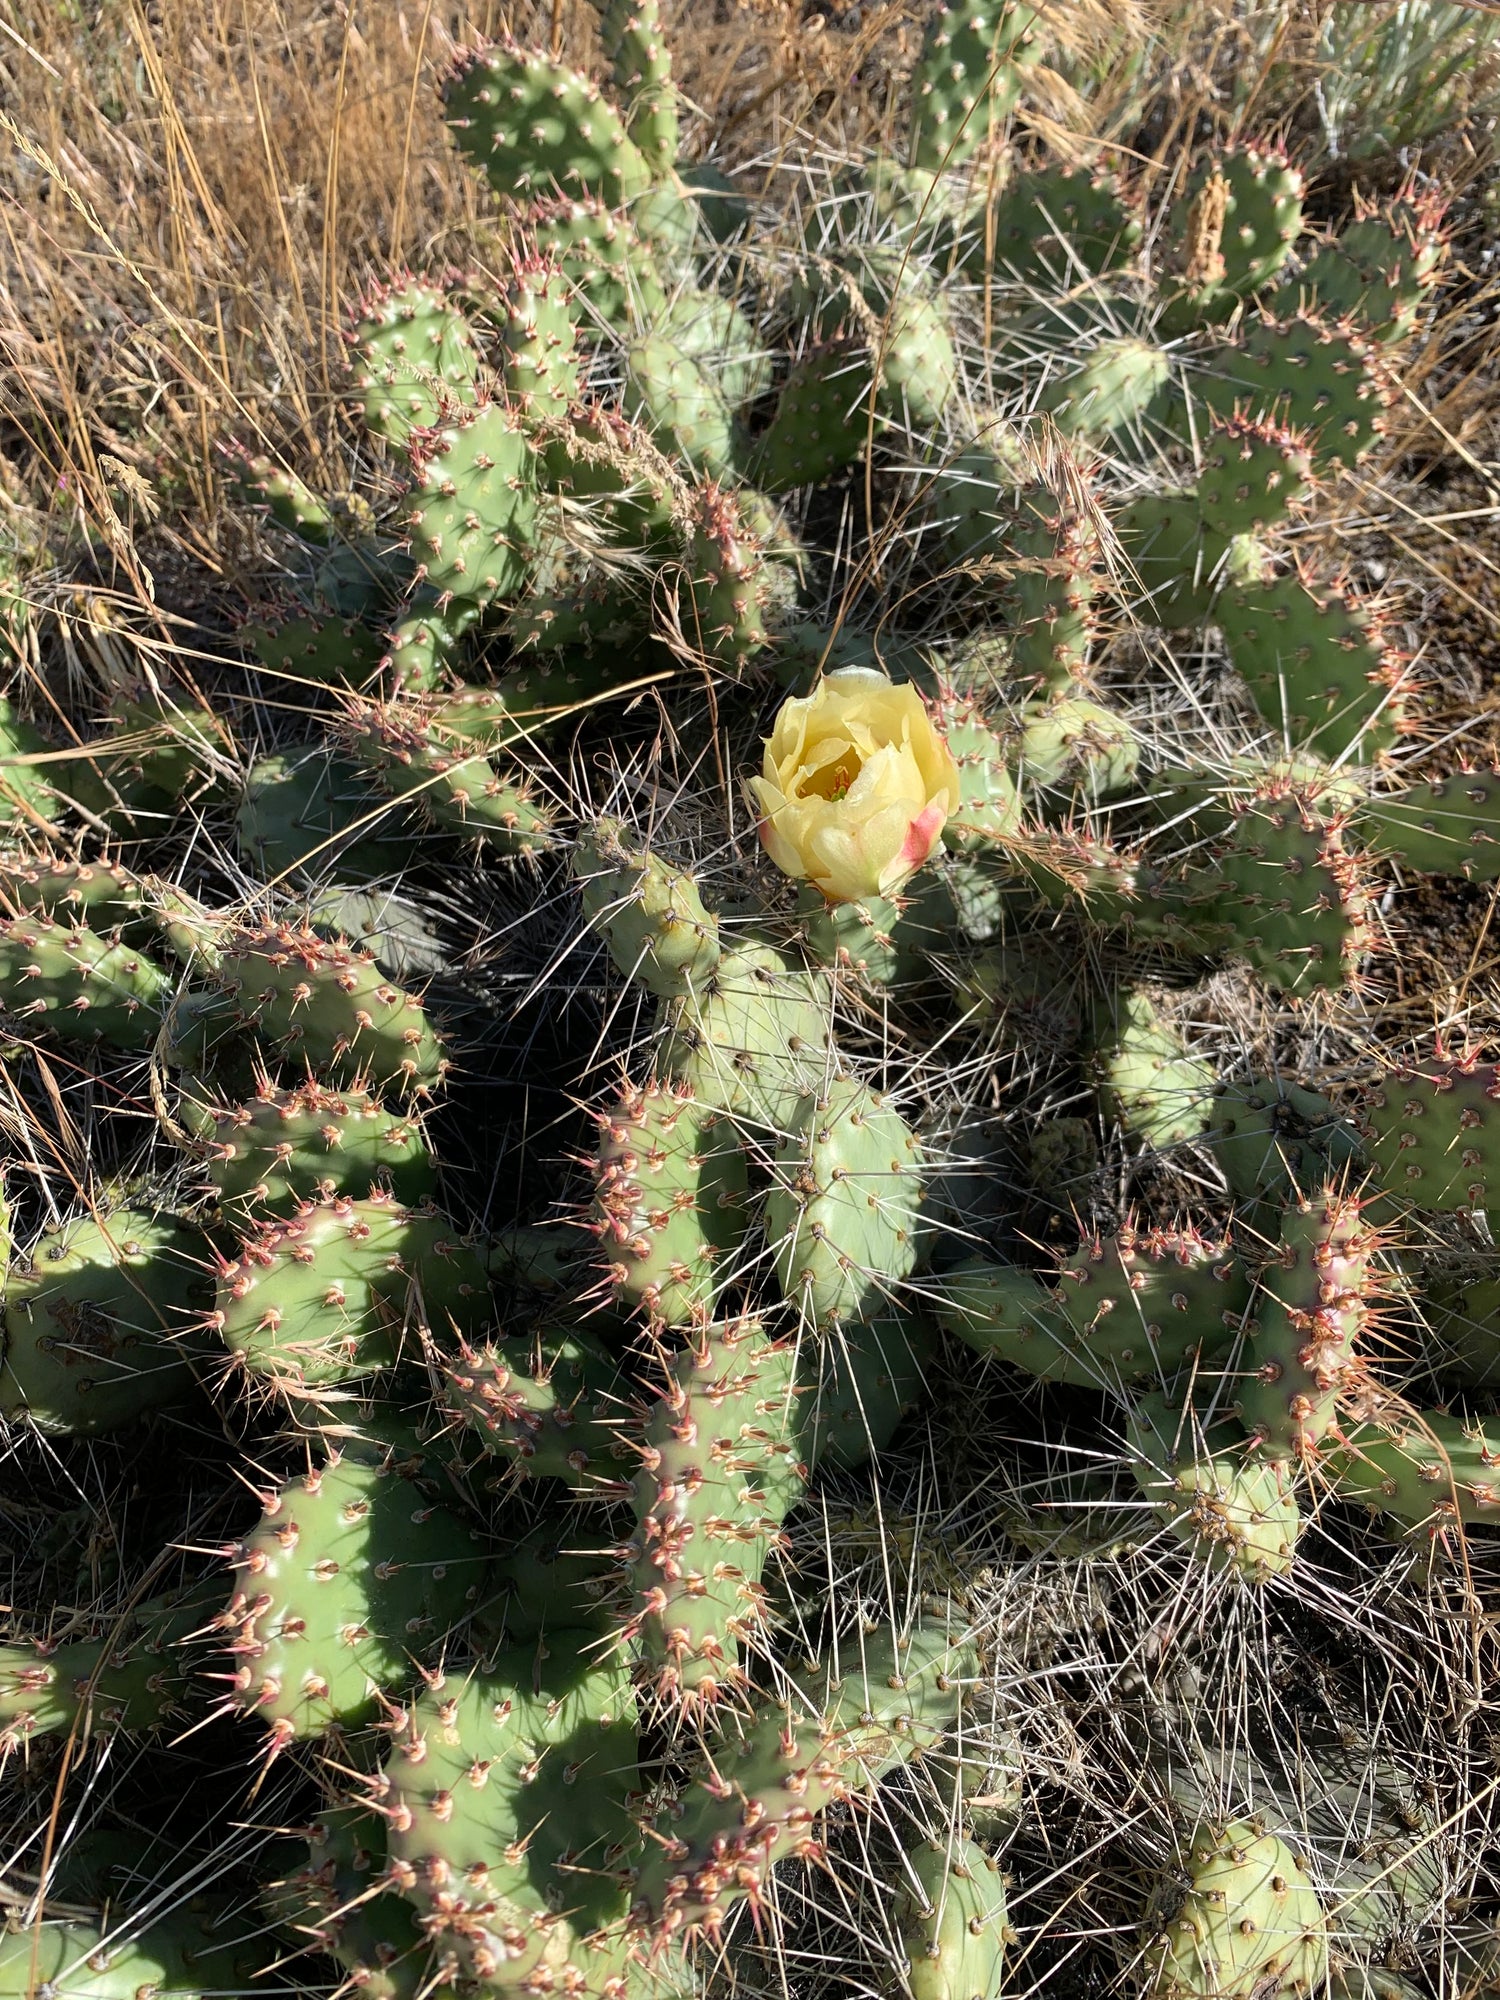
(96, 892)
(1053, 223)
(1426, 1132)
(288, 498)
(669, 1194)
(65, 980)
(1305, 1321)
(1237, 221)
(822, 421)
(350, 1577)
(866, 939)
(330, 1006)
(1442, 826)
(1074, 744)
(185, 1953)
(1131, 1307)
(1290, 896)
(549, 1408)
(594, 455)
(728, 580)
(651, 913)
(284, 1147)
(632, 38)
(1320, 381)
(680, 406)
(339, 1291)
(969, 77)
(988, 812)
(721, 1466)
(410, 754)
(1148, 1082)
(1232, 1510)
(1379, 269)
(425, 648)
(1249, 1923)
(514, 1872)
(842, 1213)
(538, 337)
(1109, 390)
(471, 509)
(605, 258)
(411, 355)
(1316, 664)
(951, 1915)
(97, 1320)
(334, 1900)
(758, 1801)
(1173, 567)
(713, 331)
(857, 1387)
(1252, 477)
(535, 127)
(1430, 1471)
(140, 1677)
(1271, 1137)
(316, 648)
(308, 814)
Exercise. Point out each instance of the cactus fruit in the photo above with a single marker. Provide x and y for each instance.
(1132, 1307)
(1424, 1131)
(1072, 743)
(651, 914)
(411, 354)
(968, 77)
(331, 1007)
(669, 1193)
(349, 1577)
(1235, 1511)
(338, 1291)
(1147, 1080)
(1250, 1921)
(1428, 1471)
(842, 1212)
(868, 938)
(759, 1797)
(138, 1677)
(283, 1147)
(753, 1041)
(515, 1870)
(550, 1409)
(721, 1466)
(952, 1919)
(66, 980)
(98, 1320)
(1309, 1310)
(1316, 665)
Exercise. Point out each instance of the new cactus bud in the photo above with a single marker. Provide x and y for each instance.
(539, 339)
(1148, 1081)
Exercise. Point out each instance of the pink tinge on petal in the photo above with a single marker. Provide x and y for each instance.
(923, 835)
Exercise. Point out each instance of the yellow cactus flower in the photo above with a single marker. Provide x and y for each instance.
(856, 786)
